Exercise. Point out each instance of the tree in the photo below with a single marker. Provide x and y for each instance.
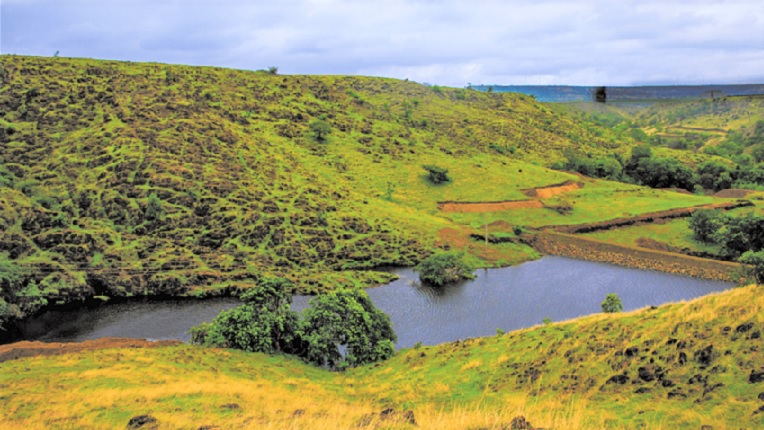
(320, 129)
(444, 268)
(754, 263)
(264, 323)
(705, 223)
(437, 175)
(346, 318)
(273, 70)
(612, 304)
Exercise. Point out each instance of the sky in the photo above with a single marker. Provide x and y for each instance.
(448, 42)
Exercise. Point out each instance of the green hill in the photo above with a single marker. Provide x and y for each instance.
(680, 366)
(125, 179)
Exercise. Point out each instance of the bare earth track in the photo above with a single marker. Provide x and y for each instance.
(22, 349)
(536, 193)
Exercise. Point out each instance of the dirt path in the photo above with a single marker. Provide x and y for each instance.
(535, 193)
(468, 207)
(23, 349)
(553, 190)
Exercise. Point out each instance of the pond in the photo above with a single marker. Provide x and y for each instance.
(508, 298)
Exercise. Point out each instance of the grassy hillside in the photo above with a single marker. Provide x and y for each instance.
(672, 367)
(242, 187)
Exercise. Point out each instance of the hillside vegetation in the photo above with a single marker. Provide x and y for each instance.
(121, 179)
(673, 367)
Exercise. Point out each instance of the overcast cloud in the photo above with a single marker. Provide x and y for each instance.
(440, 42)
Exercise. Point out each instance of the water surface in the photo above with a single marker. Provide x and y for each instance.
(508, 298)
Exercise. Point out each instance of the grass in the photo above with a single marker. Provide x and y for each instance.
(676, 233)
(555, 375)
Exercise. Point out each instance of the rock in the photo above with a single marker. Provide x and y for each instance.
(645, 374)
(742, 328)
(676, 393)
(392, 414)
(642, 390)
(759, 411)
(697, 379)
(761, 396)
(706, 427)
(667, 383)
(231, 406)
(142, 422)
(520, 423)
(631, 352)
(209, 427)
(704, 356)
(682, 359)
(756, 377)
(618, 379)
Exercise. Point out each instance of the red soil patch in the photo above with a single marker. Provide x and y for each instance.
(23, 349)
(553, 190)
(488, 206)
(733, 193)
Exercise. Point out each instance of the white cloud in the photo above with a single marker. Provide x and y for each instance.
(445, 42)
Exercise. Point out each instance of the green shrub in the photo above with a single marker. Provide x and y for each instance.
(444, 268)
(320, 129)
(612, 304)
(437, 175)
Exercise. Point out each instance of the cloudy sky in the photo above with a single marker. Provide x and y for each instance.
(449, 42)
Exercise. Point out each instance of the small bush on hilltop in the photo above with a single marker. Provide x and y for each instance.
(445, 268)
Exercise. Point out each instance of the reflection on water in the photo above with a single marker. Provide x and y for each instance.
(508, 298)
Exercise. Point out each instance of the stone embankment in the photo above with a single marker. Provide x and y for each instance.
(568, 245)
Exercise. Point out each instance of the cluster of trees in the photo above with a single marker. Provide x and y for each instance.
(342, 320)
(659, 172)
(739, 237)
(735, 235)
(642, 168)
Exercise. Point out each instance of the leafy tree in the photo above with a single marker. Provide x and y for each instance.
(754, 262)
(612, 304)
(320, 129)
(264, 323)
(740, 234)
(705, 223)
(437, 175)
(273, 70)
(662, 173)
(444, 268)
(346, 318)
(715, 176)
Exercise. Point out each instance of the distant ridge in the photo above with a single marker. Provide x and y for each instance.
(568, 93)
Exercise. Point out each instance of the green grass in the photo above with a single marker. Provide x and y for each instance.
(676, 233)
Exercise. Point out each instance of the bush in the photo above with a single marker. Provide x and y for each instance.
(346, 318)
(264, 323)
(445, 268)
(754, 264)
(320, 129)
(436, 175)
(612, 304)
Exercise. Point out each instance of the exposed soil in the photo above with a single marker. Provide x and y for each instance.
(553, 190)
(465, 207)
(23, 349)
(734, 193)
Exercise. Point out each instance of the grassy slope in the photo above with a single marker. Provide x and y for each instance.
(245, 187)
(555, 375)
